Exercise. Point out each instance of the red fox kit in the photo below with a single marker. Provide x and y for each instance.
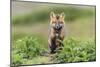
(56, 34)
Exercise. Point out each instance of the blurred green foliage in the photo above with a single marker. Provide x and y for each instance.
(26, 48)
(71, 13)
(77, 51)
(73, 51)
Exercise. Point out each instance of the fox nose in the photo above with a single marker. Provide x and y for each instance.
(57, 26)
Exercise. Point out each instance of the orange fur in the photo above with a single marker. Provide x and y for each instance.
(56, 35)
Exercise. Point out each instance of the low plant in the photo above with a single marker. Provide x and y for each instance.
(26, 48)
(76, 51)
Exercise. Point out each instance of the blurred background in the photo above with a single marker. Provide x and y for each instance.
(32, 19)
(30, 29)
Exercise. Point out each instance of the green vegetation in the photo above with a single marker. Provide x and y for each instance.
(28, 50)
(76, 51)
(42, 15)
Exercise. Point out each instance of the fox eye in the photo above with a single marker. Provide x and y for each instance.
(53, 22)
(61, 22)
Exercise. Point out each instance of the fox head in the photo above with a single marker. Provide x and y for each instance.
(57, 20)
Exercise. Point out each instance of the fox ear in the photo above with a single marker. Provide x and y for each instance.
(62, 15)
(52, 14)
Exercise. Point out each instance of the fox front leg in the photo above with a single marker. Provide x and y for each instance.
(51, 41)
(62, 35)
(52, 46)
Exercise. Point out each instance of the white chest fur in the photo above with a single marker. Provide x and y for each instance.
(57, 34)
